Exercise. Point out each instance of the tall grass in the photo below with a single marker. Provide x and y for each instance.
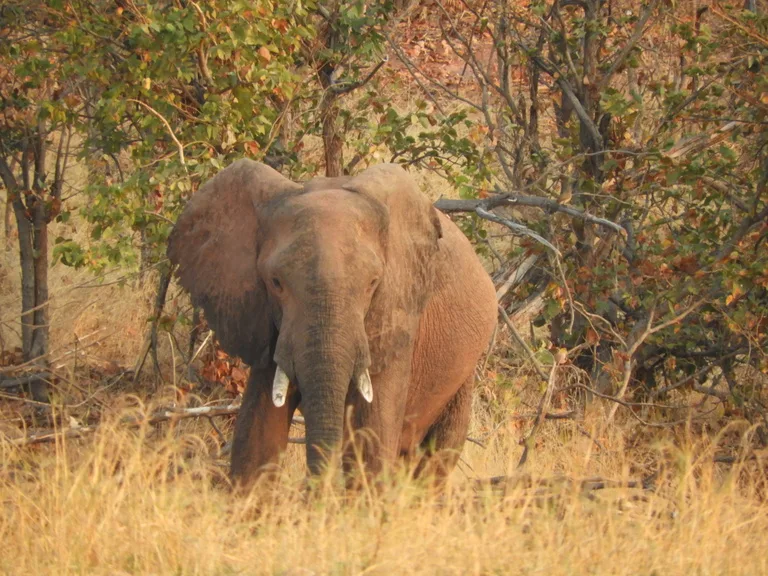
(155, 502)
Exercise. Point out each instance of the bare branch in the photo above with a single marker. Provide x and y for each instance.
(167, 126)
(22, 380)
(342, 88)
(450, 205)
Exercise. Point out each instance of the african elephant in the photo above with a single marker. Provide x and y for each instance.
(351, 292)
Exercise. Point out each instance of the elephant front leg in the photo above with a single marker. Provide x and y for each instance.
(373, 431)
(261, 430)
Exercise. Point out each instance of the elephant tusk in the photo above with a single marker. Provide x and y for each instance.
(279, 387)
(365, 386)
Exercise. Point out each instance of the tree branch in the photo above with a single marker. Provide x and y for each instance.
(163, 415)
(515, 227)
(449, 205)
(167, 126)
(625, 51)
(341, 88)
(577, 105)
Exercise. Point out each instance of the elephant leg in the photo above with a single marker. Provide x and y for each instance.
(372, 432)
(261, 430)
(442, 445)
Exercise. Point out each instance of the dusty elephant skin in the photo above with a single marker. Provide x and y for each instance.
(340, 293)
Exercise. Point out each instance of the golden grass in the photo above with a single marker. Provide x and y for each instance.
(156, 502)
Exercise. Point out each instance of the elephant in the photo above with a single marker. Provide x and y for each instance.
(351, 298)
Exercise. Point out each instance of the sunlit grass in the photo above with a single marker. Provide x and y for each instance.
(156, 502)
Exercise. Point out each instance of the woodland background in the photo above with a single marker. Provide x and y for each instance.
(608, 159)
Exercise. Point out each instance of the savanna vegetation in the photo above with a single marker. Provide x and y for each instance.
(609, 161)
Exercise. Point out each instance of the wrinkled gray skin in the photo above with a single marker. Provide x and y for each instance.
(328, 280)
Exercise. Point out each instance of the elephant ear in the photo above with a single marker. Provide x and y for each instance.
(215, 246)
(413, 235)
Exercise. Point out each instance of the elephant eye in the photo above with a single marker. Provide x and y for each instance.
(276, 284)
(373, 284)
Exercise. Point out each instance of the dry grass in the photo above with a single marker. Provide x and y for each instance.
(154, 501)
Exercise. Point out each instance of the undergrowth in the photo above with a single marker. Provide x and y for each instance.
(155, 500)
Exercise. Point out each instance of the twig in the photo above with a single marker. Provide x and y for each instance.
(637, 33)
(163, 415)
(541, 413)
(200, 348)
(162, 119)
(628, 406)
(491, 344)
(219, 435)
(519, 339)
(476, 442)
(634, 342)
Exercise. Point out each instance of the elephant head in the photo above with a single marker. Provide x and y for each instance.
(326, 280)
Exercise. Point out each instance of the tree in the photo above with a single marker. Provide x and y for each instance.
(350, 37)
(569, 113)
(39, 116)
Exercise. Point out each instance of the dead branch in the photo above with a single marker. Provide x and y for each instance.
(516, 276)
(449, 205)
(22, 380)
(524, 480)
(163, 415)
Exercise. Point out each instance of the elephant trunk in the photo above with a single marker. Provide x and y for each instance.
(323, 409)
(331, 355)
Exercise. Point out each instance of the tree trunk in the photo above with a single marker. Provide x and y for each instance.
(38, 351)
(332, 142)
(7, 220)
(27, 263)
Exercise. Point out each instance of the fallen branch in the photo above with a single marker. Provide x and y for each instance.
(163, 415)
(22, 380)
(208, 412)
(584, 484)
